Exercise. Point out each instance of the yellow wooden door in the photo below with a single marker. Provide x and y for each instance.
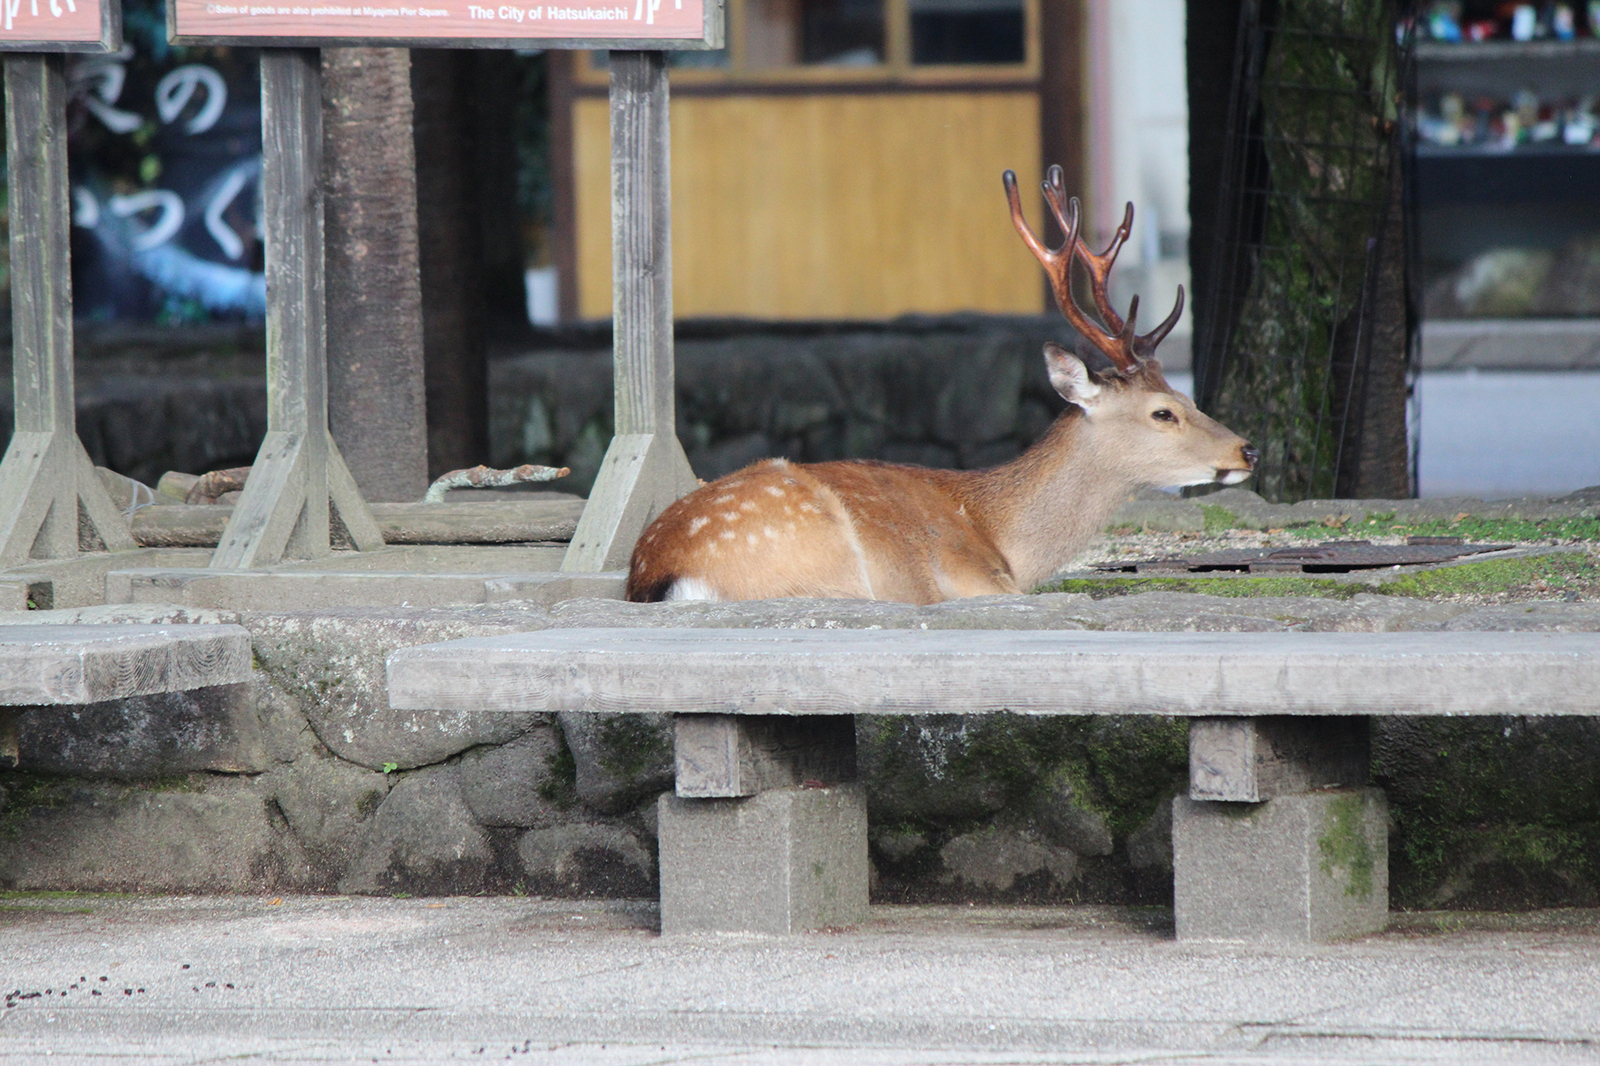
(832, 205)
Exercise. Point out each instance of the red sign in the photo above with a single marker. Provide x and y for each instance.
(56, 25)
(266, 22)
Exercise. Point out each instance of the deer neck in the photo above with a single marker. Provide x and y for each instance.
(1044, 507)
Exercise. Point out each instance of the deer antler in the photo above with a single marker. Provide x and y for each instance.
(1117, 339)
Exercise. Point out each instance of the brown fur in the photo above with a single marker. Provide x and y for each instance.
(871, 530)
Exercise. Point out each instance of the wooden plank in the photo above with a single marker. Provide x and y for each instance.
(284, 509)
(830, 205)
(724, 755)
(490, 522)
(311, 590)
(73, 664)
(263, 522)
(45, 473)
(751, 671)
(354, 511)
(640, 476)
(645, 468)
(1249, 760)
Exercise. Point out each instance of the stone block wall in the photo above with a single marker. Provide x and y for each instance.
(962, 392)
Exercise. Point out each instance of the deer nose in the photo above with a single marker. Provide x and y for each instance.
(1250, 455)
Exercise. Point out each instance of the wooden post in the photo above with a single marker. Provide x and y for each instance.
(284, 510)
(46, 479)
(645, 468)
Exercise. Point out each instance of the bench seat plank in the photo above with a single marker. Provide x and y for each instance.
(74, 664)
(784, 671)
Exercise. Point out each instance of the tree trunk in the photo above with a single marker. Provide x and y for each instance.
(1375, 454)
(374, 313)
(451, 239)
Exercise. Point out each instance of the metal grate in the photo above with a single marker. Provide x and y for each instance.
(1329, 557)
(1307, 346)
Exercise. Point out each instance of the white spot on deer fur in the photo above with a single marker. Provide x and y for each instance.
(810, 508)
(726, 497)
(769, 533)
(750, 538)
(747, 505)
(697, 523)
(730, 516)
(773, 490)
(728, 534)
(691, 588)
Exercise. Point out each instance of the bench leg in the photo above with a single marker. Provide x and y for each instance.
(1280, 837)
(767, 832)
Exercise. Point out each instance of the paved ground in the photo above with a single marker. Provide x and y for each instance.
(241, 979)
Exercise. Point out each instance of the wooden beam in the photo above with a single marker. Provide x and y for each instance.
(644, 469)
(284, 510)
(46, 479)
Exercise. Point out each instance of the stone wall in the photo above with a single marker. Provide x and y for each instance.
(306, 780)
(962, 392)
(959, 392)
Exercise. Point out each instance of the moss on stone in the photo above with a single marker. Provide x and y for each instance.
(1495, 575)
(1491, 812)
(1218, 518)
(1345, 847)
(560, 785)
(1556, 571)
(631, 744)
(1103, 588)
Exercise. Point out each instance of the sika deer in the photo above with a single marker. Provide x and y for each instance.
(871, 530)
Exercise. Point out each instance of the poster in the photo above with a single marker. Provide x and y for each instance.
(442, 21)
(57, 25)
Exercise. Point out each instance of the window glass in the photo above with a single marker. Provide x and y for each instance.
(967, 31)
(771, 33)
(841, 33)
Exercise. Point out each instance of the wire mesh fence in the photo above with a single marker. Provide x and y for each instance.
(1308, 349)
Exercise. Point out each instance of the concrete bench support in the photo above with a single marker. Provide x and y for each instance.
(767, 832)
(723, 755)
(784, 861)
(1279, 838)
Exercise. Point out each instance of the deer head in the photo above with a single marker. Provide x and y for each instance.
(1162, 436)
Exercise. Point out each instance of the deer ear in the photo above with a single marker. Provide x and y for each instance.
(1069, 377)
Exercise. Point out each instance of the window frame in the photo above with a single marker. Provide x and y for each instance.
(897, 69)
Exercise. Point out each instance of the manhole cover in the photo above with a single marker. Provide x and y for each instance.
(1329, 557)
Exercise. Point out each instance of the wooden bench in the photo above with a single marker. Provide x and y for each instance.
(1279, 838)
(57, 665)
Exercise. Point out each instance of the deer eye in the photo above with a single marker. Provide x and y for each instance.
(1161, 414)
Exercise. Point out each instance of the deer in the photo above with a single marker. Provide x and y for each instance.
(864, 529)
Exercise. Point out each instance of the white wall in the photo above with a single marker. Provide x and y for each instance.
(1138, 146)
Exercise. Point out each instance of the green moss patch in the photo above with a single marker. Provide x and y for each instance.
(1345, 847)
(1102, 588)
(1538, 574)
